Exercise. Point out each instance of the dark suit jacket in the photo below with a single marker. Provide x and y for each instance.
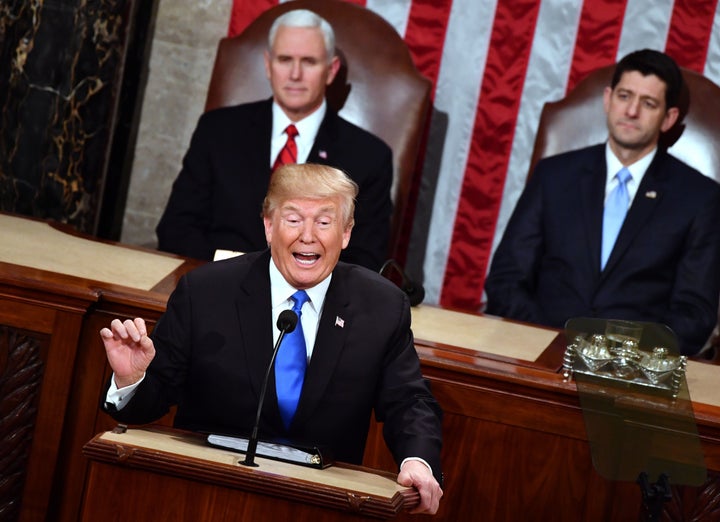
(216, 200)
(214, 344)
(665, 266)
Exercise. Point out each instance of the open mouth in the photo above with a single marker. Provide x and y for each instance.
(306, 258)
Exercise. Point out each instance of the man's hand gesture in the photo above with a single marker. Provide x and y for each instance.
(129, 350)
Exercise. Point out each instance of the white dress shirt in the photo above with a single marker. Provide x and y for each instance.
(280, 292)
(637, 170)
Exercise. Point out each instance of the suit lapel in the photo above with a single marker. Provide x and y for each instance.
(332, 331)
(324, 147)
(592, 189)
(253, 309)
(647, 198)
(258, 142)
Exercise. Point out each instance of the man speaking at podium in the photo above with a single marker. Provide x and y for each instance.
(210, 350)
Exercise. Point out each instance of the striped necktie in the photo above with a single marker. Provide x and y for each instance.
(288, 154)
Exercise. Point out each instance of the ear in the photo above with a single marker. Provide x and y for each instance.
(671, 117)
(346, 236)
(266, 59)
(267, 223)
(334, 68)
(607, 93)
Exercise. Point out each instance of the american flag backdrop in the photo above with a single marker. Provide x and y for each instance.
(493, 64)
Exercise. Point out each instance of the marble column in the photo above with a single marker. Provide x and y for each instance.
(184, 44)
(60, 72)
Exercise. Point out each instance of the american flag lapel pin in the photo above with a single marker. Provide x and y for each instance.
(323, 155)
(339, 321)
(651, 194)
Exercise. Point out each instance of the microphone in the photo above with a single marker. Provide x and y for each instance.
(286, 323)
(414, 291)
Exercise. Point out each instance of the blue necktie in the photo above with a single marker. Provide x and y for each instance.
(291, 363)
(616, 207)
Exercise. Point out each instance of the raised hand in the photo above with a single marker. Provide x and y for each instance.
(129, 350)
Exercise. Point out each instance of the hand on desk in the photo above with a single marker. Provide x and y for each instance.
(416, 474)
(129, 350)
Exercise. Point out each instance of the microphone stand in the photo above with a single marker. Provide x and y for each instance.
(414, 291)
(286, 323)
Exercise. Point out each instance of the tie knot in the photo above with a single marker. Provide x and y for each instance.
(291, 131)
(623, 175)
(300, 298)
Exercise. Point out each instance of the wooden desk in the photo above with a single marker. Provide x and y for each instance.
(515, 446)
(52, 363)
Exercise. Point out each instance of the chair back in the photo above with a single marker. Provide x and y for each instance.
(578, 120)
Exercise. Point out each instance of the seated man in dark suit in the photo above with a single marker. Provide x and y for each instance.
(209, 351)
(582, 243)
(216, 200)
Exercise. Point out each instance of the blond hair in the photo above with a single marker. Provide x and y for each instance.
(311, 181)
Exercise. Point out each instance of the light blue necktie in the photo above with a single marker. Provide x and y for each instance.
(291, 363)
(616, 207)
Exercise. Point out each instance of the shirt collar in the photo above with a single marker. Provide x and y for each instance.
(637, 169)
(307, 127)
(281, 290)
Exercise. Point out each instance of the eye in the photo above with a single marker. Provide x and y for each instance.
(292, 221)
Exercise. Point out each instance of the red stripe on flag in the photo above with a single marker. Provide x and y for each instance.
(689, 35)
(597, 39)
(425, 35)
(493, 133)
(245, 11)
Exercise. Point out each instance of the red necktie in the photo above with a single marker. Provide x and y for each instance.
(288, 154)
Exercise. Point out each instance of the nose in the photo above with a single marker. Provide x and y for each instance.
(633, 106)
(296, 70)
(307, 234)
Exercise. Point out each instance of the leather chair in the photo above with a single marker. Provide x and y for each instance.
(378, 87)
(578, 120)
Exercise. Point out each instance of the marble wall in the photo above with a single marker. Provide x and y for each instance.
(60, 70)
(183, 52)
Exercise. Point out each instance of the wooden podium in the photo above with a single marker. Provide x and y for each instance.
(164, 474)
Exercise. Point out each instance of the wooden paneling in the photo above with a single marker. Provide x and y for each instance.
(64, 315)
(515, 445)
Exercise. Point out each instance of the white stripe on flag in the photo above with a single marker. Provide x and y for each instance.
(395, 12)
(546, 80)
(457, 93)
(645, 26)
(712, 61)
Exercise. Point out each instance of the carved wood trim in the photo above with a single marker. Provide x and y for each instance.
(21, 369)
(695, 503)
